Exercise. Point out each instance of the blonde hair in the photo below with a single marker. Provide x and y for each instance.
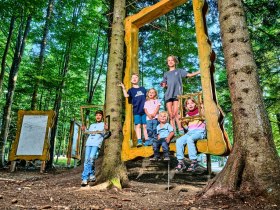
(164, 113)
(135, 74)
(174, 58)
(147, 95)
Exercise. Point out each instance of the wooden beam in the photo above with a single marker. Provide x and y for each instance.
(151, 13)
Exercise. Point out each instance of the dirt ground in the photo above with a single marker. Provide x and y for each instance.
(149, 188)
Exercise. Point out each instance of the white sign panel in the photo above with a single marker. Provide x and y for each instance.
(75, 139)
(32, 135)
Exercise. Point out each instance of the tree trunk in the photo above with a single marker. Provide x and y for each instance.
(113, 169)
(3, 63)
(64, 70)
(42, 54)
(20, 45)
(253, 166)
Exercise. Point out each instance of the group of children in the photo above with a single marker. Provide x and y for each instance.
(157, 131)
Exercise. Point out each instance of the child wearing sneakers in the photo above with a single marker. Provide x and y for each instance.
(93, 144)
(151, 108)
(195, 130)
(173, 82)
(137, 96)
(165, 133)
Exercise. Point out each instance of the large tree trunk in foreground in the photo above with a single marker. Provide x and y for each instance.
(113, 169)
(253, 166)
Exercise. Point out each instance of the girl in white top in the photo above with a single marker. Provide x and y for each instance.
(151, 108)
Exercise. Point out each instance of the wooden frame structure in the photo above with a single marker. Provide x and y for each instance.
(26, 151)
(217, 142)
(77, 149)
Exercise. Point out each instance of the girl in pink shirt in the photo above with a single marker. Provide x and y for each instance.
(151, 108)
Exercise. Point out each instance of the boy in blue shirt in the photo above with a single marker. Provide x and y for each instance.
(137, 96)
(93, 144)
(165, 133)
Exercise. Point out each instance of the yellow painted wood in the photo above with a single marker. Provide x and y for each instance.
(132, 25)
(45, 155)
(217, 142)
(151, 13)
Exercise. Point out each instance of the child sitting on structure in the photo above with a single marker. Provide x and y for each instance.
(151, 108)
(93, 144)
(137, 96)
(165, 133)
(195, 131)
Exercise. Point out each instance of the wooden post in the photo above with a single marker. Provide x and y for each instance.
(208, 159)
(43, 166)
(13, 166)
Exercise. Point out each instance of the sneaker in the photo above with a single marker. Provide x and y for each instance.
(84, 183)
(147, 143)
(139, 143)
(181, 132)
(166, 159)
(193, 166)
(92, 178)
(154, 159)
(180, 167)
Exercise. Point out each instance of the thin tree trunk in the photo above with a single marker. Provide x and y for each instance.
(42, 53)
(64, 70)
(4, 58)
(113, 169)
(254, 165)
(100, 71)
(93, 69)
(20, 45)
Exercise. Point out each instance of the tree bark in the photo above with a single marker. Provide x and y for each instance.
(254, 165)
(3, 63)
(20, 45)
(113, 169)
(42, 53)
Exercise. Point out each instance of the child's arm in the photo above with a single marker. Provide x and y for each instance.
(124, 90)
(148, 114)
(169, 137)
(156, 111)
(193, 73)
(105, 126)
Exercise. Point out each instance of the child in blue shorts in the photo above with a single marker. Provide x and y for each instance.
(137, 97)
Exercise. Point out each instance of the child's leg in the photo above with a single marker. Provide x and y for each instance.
(176, 114)
(144, 122)
(150, 129)
(156, 147)
(169, 106)
(137, 129)
(88, 163)
(165, 148)
(154, 128)
(92, 160)
(192, 137)
(145, 132)
(180, 147)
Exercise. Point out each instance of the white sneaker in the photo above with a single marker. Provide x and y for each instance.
(92, 178)
(84, 183)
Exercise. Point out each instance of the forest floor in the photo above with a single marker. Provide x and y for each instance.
(60, 188)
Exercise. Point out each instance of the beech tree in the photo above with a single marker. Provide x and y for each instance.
(253, 165)
(113, 169)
